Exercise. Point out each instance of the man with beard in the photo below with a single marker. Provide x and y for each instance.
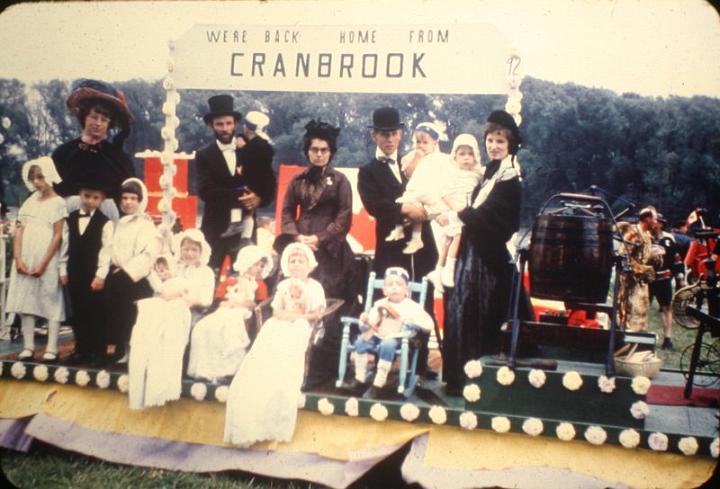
(229, 186)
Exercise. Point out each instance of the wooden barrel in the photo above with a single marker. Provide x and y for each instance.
(571, 258)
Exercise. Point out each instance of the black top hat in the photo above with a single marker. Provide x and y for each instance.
(221, 105)
(87, 89)
(505, 120)
(386, 119)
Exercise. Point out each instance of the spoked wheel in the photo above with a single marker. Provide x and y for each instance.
(708, 367)
(686, 296)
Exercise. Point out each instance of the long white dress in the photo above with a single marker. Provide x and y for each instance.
(160, 336)
(263, 396)
(40, 296)
(220, 341)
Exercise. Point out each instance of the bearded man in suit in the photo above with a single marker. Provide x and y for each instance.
(232, 188)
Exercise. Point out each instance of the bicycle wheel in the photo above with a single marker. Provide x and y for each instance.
(707, 372)
(686, 296)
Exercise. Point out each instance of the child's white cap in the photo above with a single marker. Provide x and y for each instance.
(466, 139)
(47, 167)
(296, 248)
(257, 121)
(196, 236)
(397, 272)
(249, 256)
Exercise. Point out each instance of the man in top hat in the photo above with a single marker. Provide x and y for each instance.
(100, 108)
(231, 186)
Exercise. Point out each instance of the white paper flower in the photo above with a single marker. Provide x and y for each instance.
(352, 407)
(572, 381)
(715, 448)
(533, 426)
(438, 415)
(688, 445)
(325, 407)
(82, 378)
(468, 420)
(639, 410)
(640, 385)
(409, 412)
(473, 369)
(501, 424)
(537, 378)
(505, 376)
(198, 391)
(18, 370)
(123, 383)
(301, 400)
(565, 431)
(629, 438)
(471, 392)
(221, 393)
(102, 379)
(40, 373)
(658, 441)
(61, 375)
(378, 412)
(606, 384)
(595, 435)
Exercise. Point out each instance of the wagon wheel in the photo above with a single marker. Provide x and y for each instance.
(708, 367)
(682, 298)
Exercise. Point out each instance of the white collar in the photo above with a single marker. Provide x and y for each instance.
(379, 154)
(226, 147)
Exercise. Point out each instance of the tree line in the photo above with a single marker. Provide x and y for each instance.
(645, 150)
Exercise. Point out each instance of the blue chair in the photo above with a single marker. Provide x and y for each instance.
(410, 343)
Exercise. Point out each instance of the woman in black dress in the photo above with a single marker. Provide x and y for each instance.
(478, 305)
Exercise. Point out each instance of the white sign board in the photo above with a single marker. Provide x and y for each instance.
(332, 58)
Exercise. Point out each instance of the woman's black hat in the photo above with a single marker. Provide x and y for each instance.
(221, 105)
(386, 119)
(86, 89)
(321, 130)
(505, 120)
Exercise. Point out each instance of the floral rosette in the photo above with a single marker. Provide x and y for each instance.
(468, 420)
(565, 431)
(301, 400)
(606, 384)
(629, 438)
(639, 410)
(82, 378)
(473, 369)
(198, 391)
(438, 415)
(325, 407)
(505, 376)
(533, 426)
(61, 375)
(378, 412)
(572, 381)
(40, 373)
(715, 447)
(221, 393)
(123, 383)
(640, 385)
(688, 445)
(102, 379)
(658, 441)
(18, 370)
(500, 424)
(471, 392)
(595, 435)
(409, 412)
(537, 378)
(352, 407)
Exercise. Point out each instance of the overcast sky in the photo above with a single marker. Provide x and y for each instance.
(651, 47)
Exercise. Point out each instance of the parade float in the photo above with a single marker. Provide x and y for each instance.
(576, 422)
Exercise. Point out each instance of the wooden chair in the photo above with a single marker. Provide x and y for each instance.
(410, 343)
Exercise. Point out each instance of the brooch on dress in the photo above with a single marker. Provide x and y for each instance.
(329, 181)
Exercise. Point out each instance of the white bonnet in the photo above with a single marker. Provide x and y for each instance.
(466, 139)
(292, 249)
(249, 256)
(47, 167)
(193, 235)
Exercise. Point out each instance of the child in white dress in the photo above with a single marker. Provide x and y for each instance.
(262, 402)
(35, 289)
(423, 165)
(220, 340)
(161, 332)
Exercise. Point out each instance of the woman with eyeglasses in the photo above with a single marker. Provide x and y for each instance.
(317, 211)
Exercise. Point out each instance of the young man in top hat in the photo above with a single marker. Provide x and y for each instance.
(227, 183)
(380, 183)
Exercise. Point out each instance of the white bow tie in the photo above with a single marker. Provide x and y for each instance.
(227, 147)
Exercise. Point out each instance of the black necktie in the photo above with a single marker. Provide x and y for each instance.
(83, 214)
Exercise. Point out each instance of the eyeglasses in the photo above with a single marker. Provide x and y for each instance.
(322, 151)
